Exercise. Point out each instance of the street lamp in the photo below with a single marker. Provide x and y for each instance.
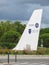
(41, 43)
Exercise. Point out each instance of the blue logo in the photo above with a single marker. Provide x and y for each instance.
(29, 31)
(36, 25)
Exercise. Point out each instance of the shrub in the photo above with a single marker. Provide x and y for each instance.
(41, 51)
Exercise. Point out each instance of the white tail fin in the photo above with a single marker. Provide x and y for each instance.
(29, 38)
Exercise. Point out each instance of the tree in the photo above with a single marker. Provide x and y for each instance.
(9, 39)
(7, 45)
(19, 27)
(45, 38)
(10, 33)
(46, 42)
(44, 30)
(10, 36)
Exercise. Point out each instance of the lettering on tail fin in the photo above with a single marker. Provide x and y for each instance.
(29, 38)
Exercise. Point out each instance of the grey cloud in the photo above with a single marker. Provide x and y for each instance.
(45, 17)
(22, 9)
(13, 12)
(42, 2)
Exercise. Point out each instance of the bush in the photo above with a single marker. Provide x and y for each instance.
(7, 45)
(45, 38)
(10, 36)
(41, 51)
(47, 51)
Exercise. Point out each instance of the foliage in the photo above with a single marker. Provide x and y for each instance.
(10, 36)
(6, 45)
(10, 33)
(44, 35)
(44, 30)
(45, 38)
(40, 51)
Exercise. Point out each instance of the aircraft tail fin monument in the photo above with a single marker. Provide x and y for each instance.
(29, 38)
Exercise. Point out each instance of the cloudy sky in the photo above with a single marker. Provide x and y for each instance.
(22, 10)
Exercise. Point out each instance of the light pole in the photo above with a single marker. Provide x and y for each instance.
(41, 43)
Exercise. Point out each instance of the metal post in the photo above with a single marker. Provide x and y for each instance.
(8, 57)
(15, 57)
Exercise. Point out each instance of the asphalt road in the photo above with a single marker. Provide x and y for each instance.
(26, 61)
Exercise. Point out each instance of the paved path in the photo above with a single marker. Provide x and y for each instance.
(27, 60)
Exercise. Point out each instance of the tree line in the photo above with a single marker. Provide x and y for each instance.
(10, 33)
